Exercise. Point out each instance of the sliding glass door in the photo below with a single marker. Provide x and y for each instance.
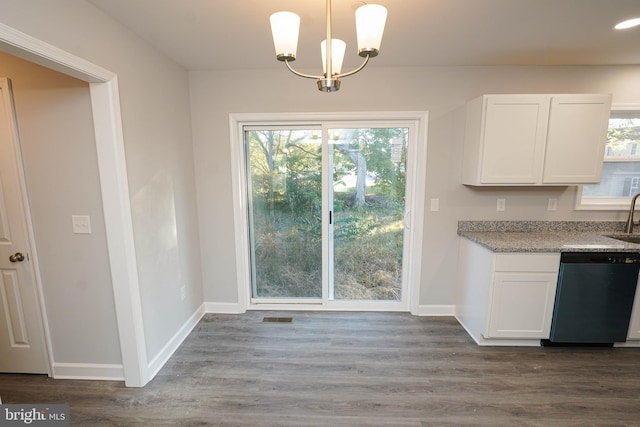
(285, 212)
(367, 200)
(326, 213)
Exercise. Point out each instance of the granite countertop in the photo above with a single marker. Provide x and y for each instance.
(547, 236)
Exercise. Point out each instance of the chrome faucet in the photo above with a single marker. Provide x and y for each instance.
(628, 227)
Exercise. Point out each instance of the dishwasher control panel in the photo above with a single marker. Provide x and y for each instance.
(622, 260)
(600, 258)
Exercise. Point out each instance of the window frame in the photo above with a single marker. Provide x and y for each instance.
(607, 203)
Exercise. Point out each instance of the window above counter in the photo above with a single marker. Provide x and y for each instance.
(621, 164)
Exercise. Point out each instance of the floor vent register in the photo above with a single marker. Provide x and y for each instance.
(277, 320)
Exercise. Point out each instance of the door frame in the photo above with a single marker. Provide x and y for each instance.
(105, 102)
(415, 214)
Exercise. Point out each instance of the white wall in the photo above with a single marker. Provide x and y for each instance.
(443, 91)
(154, 100)
(62, 179)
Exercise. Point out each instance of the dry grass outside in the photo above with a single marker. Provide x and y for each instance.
(368, 256)
(288, 262)
(369, 266)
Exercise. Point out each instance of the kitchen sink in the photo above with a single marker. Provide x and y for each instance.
(632, 238)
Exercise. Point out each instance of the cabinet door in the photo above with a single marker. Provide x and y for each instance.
(514, 133)
(521, 305)
(576, 139)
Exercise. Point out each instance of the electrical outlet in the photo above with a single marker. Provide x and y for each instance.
(81, 224)
(183, 292)
(553, 205)
(501, 205)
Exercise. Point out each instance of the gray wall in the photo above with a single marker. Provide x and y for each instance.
(443, 91)
(154, 98)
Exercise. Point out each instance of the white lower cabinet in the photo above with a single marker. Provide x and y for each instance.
(521, 305)
(505, 297)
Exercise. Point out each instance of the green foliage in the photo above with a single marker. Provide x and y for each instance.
(351, 227)
(285, 169)
(374, 143)
(304, 182)
(621, 132)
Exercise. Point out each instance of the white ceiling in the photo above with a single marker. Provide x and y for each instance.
(235, 34)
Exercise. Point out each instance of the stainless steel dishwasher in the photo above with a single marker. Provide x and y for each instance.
(594, 298)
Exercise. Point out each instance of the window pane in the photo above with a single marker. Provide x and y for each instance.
(369, 183)
(623, 139)
(285, 189)
(621, 169)
(619, 179)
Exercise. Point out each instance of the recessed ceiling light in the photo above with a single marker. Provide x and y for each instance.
(630, 23)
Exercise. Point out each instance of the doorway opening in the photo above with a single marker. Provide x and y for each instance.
(115, 198)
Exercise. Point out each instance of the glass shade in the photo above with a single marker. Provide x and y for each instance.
(338, 48)
(630, 23)
(285, 27)
(370, 20)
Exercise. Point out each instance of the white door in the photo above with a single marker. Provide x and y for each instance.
(22, 348)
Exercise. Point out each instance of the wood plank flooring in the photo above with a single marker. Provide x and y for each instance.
(354, 369)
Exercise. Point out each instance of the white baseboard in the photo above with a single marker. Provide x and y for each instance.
(167, 351)
(88, 371)
(436, 310)
(224, 308)
(629, 343)
(235, 308)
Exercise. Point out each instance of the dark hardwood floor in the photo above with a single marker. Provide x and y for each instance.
(354, 369)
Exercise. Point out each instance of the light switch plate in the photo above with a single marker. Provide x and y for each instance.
(435, 205)
(553, 205)
(81, 224)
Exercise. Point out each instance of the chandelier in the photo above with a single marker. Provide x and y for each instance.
(370, 20)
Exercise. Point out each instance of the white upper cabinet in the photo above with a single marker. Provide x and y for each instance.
(576, 139)
(535, 139)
